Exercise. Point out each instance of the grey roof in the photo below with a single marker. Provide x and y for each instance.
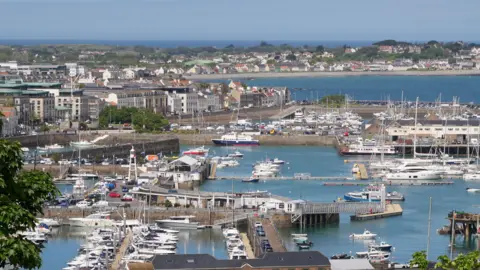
(424, 122)
(352, 264)
(270, 260)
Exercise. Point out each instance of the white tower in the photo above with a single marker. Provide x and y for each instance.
(132, 166)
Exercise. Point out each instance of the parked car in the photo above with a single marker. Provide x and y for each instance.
(127, 198)
(258, 224)
(114, 195)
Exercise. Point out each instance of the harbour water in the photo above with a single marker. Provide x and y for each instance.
(427, 88)
(407, 233)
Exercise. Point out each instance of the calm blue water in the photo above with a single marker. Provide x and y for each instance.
(184, 43)
(427, 88)
(408, 233)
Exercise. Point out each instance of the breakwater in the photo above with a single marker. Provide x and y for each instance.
(314, 140)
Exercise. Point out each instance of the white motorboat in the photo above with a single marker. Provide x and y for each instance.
(236, 154)
(153, 251)
(101, 219)
(82, 144)
(229, 232)
(238, 254)
(183, 222)
(50, 222)
(414, 174)
(471, 176)
(278, 161)
(50, 147)
(473, 190)
(365, 235)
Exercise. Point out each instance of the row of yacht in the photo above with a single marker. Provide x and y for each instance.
(376, 253)
(267, 168)
(143, 244)
(234, 244)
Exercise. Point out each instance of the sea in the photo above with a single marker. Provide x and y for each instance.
(186, 43)
(371, 87)
(407, 233)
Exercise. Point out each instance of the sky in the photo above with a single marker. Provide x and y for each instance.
(327, 20)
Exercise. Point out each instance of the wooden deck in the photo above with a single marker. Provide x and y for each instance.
(272, 236)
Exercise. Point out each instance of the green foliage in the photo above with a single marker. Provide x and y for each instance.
(320, 49)
(419, 259)
(461, 262)
(148, 121)
(336, 100)
(244, 85)
(391, 42)
(291, 57)
(176, 205)
(168, 204)
(81, 86)
(143, 120)
(22, 195)
(44, 128)
(82, 126)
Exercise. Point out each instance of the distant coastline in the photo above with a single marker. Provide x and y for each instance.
(331, 74)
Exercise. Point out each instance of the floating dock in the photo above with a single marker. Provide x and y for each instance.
(362, 173)
(391, 210)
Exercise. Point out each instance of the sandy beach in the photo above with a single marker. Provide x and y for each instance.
(333, 74)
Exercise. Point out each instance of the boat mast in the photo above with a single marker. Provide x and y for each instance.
(429, 225)
(415, 129)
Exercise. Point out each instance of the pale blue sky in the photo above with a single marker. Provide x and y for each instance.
(240, 20)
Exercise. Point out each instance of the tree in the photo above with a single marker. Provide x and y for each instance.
(168, 204)
(264, 44)
(320, 49)
(22, 195)
(203, 85)
(244, 85)
(44, 128)
(419, 259)
(291, 57)
(55, 157)
(461, 262)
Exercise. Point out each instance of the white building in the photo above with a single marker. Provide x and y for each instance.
(174, 103)
(189, 101)
(434, 128)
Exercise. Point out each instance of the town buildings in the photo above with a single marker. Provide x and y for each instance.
(154, 100)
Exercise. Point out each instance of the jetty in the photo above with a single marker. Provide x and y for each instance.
(467, 223)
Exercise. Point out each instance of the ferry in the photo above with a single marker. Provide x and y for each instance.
(236, 139)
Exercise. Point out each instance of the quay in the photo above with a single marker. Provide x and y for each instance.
(390, 183)
(271, 234)
(390, 211)
(296, 177)
(248, 247)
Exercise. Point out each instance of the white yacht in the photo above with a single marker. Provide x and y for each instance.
(230, 232)
(182, 222)
(471, 176)
(238, 254)
(101, 219)
(365, 235)
(414, 174)
(82, 144)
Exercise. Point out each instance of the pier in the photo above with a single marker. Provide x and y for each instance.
(391, 210)
(362, 173)
(467, 223)
(296, 177)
